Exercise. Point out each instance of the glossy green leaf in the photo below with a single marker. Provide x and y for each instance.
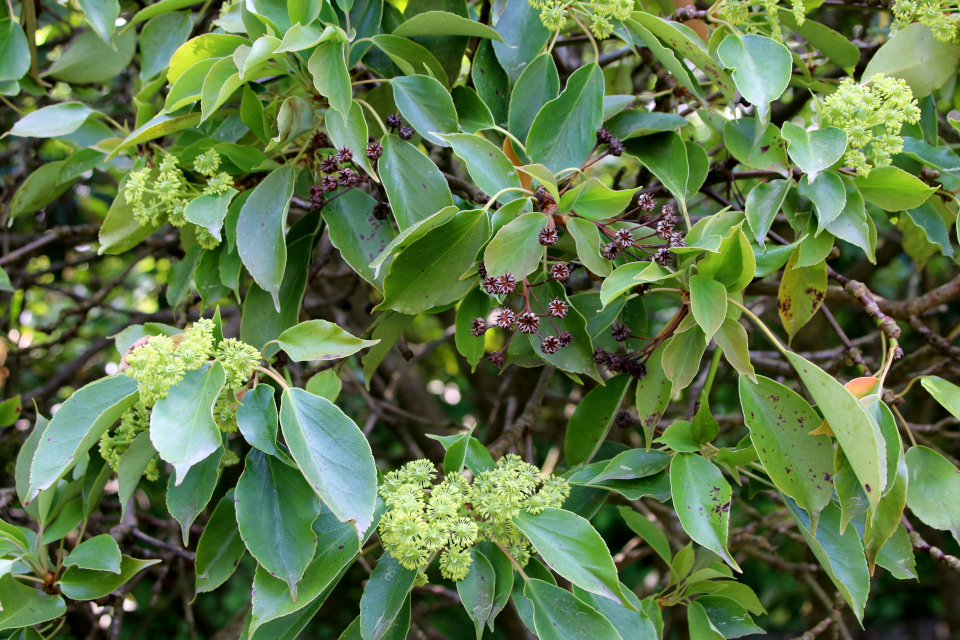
(477, 590)
(99, 553)
(857, 434)
(426, 105)
(275, 510)
(761, 69)
(537, 85)
(565, 130)
(573, 548)
(780, 422)
(489, 167)
(708, 302)
(840, 555)
(333, 455)
(802, 290)
(632, 464)
(560, 615)
(220, 547)
(648, 531)
(635, 123)
(331, 77)
(76, 427)
(415, 186)
(893, 189)
(931, 495)
(89, 60)
(182, 427)
(586, 235)
(628, 276)
(665, 155)
(159, 39)
(681, 358)
(443, 23)
(55, 120)
(320, 340)
(384, 597)
(653, 393)
(85, 584)
(473, 114)
(522, 38)
(476, 304)
(516, 248)
(260, 230)
(14, 50)
(23, 605)
(427, 273)
(702, 498)
(766, 151)
(208, 45)
(728, 616)
(946, 393)
(356, 232)
(592, 419)
(410, 57)
(337, 546)
(185, 501)
(814, 151)
(916, 56)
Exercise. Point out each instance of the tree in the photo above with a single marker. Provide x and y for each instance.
(547, 319)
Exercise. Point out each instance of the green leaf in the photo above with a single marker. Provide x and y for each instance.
(728, 616)
(333, 455)
(209, 210)
(303, 11)
(355, 231)
(320, 340)
(492, 82)
(586, 235)
(84, 584)
(834, 45)
(14, 50)
(648, 531)
(565, 130)
(576, 358)
(916, 56)
(653, 393)
(802, 290)
(516, 248)
(133, 463)
(50, 122)
(473, 114)
(780, 422)
(573, 548)
(828, 195)
(275, 510)
(260, 229)
(761, 67)
(892, 188)
(699, 624)
(182, 427)
(634, 123)
(814, 151)
(384, 597)
(337, 546)
(632, 464)
(840, 555)
(24, 606)
(523, 37)
(766, 151)
(503, 576)
(90, 60)
(857, 434)
(665, 155)
(77, 426)
(931, 224)
(449, 50)
(667, 57)
(442, 23)
(708, 301)
(489, 167)
(628, 276)
(702, 499)
(594, 200)
(896, 556)
(159, 40)
(415, 186)
(681, 358)
(38, 190)
(410, 57)
(426, 105)
(220, 548)
(351, 132)
(591, 420)
(560, 615)
(99, 553)
(157, 127)
(931, 493)
(187, 500)
(297, 38)
(426, 274)
(537, 85)
(477, 590)
(208, 45)
(476, 304)
(946, 393)
(331, 78)
(852, 225)
(159, 8)
(475, 457)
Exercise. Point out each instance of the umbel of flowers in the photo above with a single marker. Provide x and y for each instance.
(424, 519)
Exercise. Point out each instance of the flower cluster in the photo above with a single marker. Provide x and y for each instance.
(932, 13)
(872, 115)
(601, 13)
(115, 443)
(424, 519)
(170, 193)
(739, 12)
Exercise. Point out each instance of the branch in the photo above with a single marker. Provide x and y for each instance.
(514, 432)
(922, 545)
(935, 340)
(859, 291)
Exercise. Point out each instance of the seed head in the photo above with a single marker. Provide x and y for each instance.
(394, 120)
(558, 308)
(624, 238)
(646, 202)
(497, 359)
(374, 151)
(506, 319)
(559, 272)
(528, 322)
(603, 136)
(406, 132)
(548, 236)
(620, 332)
(344, 155)
(550, 344)
(506, 283)
(615, 147)
(478, 327)
(565, 338)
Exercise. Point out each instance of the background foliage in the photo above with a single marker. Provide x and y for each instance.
(647, 247)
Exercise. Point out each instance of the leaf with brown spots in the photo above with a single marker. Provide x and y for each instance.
(802, 290)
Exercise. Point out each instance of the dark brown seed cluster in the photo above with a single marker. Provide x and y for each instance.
(548, 236)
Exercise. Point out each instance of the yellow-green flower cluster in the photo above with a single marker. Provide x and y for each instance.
(872, 114)
(161, 362)
(423, 519)
(113, 444)
(239, 360)
(739, 12)
(935, 14)
(170, 193)
(600, 13)
(553, 13)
